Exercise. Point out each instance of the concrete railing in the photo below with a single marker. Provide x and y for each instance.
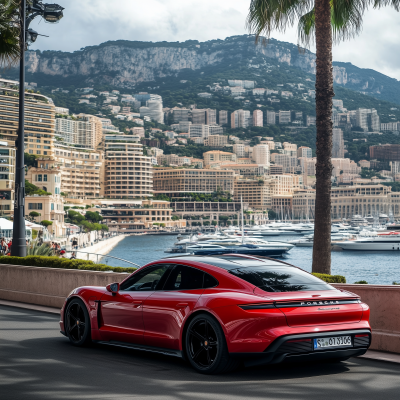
(50, 286)
(384, 302)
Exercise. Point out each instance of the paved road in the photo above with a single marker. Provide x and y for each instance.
(37, 362)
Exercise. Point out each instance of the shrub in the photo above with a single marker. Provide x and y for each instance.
(331, 278)
(56, 262)
(361, 282)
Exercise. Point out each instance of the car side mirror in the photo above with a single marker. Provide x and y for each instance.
(113, 288)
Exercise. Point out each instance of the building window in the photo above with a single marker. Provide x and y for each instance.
(39, 178)
(52, 206)
(35, 206)
(45, 178)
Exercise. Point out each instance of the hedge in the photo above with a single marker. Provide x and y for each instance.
(56, 262)
(330, 278)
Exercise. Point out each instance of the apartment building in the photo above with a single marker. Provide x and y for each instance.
(199, 131)
(218, 156)
(216, 141)
(310, 120)
(240, 119)
(131, 215)
(255, 192)
(173, 159)
(223, 117)
(47, 176)
(271, 117)
(39, 119)
(180, 114)
(128, 173)
(347, 201)
(7, 177)
(304, 152)
(179, 182)
(386, 152)
(204, 116)
(337, 143)
(289, 163)
(82, 171)
(303, 204)
(344, 165)
(239, 150)
(86, 131)
(258, 118)
(285, 117)
(261, 155)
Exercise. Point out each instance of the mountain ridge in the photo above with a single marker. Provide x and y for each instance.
(126, 63)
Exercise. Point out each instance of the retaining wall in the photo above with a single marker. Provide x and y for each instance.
(50, 286)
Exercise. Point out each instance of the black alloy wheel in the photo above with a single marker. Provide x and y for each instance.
(77, 323)
(206, 347)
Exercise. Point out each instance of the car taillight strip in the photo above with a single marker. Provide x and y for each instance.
(314, 303)
(257, 306)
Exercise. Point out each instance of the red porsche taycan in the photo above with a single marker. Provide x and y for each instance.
(218, 312)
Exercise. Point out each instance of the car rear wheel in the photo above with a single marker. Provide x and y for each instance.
(77, 323)
(206, 347)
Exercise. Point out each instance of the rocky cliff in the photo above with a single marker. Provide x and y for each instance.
(126, 63)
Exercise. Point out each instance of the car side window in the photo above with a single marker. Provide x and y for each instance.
(151, 278)
(184, 278)
(209, 281)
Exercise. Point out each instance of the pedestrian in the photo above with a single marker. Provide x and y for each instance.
(73, 256)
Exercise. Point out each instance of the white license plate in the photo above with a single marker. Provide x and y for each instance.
(339, 341)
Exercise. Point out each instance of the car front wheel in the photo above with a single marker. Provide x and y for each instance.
(206, 347)
(77, 323)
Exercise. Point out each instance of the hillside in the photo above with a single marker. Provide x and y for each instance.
(129, 64)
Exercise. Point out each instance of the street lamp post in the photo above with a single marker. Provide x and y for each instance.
(27, 13)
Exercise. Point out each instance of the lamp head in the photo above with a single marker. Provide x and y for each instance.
(31, 36)
(52, 12)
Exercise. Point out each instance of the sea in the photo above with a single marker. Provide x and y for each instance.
(379, 268)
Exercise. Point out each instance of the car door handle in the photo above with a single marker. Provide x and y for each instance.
(137, 303)
(182, 305)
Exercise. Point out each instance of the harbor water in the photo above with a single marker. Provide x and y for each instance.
(381, 268)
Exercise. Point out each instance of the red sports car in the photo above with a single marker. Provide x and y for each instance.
(218, 312)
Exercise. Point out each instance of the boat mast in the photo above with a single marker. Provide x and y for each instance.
(241, 207)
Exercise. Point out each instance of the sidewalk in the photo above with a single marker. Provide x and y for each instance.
(103, 248)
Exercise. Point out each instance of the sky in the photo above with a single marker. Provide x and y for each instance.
(91, 22)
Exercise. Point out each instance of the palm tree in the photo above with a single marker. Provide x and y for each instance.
(9, 33)
(324, 21)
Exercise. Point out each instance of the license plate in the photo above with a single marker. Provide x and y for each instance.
(339, 341)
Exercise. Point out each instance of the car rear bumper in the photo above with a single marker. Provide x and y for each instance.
(291, 348)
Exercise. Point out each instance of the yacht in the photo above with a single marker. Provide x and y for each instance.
(233, 245)
(379, 242)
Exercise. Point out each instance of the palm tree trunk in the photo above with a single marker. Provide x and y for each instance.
(323, 98)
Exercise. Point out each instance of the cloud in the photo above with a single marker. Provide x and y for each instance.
(91, 22)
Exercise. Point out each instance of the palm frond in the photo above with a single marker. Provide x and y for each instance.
(268, 15)
(9, 33)
(385, 3)
(42, 250)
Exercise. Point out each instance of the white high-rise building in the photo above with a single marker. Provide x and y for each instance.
(239, 150)
(304, 152)
(199, 130)
(258, 118)
(337, 143)
(361, 119)
(261, 154)
(223, 117)
(240, 119)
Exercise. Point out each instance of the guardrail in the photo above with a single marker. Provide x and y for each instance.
(102, 255)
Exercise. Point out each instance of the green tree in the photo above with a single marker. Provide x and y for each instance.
(322, 21)
(46, 223)
(29, 159)
(34, 214)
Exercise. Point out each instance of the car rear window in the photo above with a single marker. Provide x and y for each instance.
(280, 278)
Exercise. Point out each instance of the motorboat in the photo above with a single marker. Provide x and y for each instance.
(379, 242)
(255, 249)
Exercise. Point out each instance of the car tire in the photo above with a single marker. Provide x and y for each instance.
(77, 323)
(206, 348)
